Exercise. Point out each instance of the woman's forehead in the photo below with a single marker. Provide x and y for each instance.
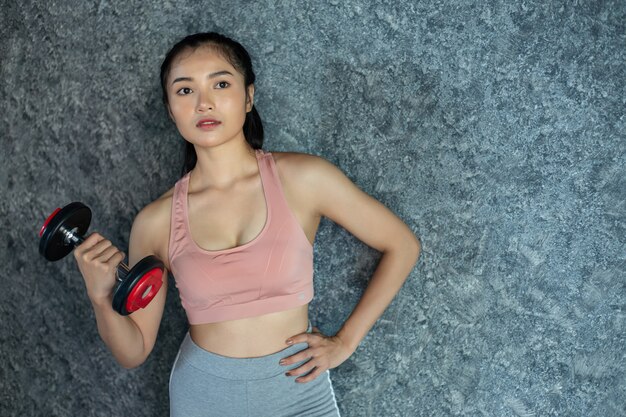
(200, 60)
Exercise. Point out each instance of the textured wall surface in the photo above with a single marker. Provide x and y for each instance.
(494, 129)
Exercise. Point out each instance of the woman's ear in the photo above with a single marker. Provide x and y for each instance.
(249, 98)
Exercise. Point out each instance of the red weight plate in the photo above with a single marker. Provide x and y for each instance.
(145, 290)
(48, 221)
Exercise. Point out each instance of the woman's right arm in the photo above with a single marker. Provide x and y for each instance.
(129, 338)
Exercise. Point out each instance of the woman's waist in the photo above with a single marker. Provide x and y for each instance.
(253, 336)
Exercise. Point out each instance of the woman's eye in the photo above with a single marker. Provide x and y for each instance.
(222, 84)
(184, 91)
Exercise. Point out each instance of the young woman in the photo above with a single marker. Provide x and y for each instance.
(237, 232)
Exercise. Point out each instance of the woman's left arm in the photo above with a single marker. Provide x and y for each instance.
(335, 196)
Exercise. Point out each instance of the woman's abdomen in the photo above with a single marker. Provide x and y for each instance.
(251, 337)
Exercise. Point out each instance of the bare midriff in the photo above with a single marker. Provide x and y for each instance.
(251, 337)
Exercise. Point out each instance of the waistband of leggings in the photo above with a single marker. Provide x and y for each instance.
(239, 368)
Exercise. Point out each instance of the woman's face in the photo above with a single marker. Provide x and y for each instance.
(207, 97)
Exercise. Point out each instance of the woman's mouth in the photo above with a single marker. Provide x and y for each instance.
(207, 124)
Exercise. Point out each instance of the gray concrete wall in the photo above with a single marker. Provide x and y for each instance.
(494, 129)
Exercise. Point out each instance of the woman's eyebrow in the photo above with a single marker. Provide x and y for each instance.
(212, 75)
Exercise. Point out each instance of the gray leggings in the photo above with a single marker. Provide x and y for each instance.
(206, 384)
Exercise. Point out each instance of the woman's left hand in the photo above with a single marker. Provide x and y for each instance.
(325, 352)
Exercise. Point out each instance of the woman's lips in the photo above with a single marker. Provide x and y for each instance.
(207, 124)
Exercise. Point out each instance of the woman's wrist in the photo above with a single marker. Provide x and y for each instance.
(101, 302)
(349, 343)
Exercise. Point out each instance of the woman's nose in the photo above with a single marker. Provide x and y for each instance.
(205, 102)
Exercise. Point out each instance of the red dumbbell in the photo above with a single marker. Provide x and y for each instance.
(64, 229)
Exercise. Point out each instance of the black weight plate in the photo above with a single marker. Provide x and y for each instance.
(52, 244)
(134, 276)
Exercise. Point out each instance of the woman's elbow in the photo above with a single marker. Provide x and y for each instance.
(407, 245)
(131, 363)
(412, 243)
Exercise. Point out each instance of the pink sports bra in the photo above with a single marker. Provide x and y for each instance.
(273, 272)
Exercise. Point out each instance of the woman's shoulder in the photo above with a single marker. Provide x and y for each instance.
(293, 157)
(299, 164)
(304, 167)
(311, 180)
(152, 222)
(159, 209)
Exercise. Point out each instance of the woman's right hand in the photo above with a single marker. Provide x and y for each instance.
(97, 261)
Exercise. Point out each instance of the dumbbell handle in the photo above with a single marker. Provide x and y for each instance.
(71, 237)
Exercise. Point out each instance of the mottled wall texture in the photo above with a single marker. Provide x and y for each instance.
(494, 129)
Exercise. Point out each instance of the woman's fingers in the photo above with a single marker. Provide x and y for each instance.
(101, 250)
(298, 357)
(303, 338)
(301, 370)
(97, 248)
(97, 259)
(323, 353)
(87, 244)
(116, 258)
(113, 256)
(311, 376)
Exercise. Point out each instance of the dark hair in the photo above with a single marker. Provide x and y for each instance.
(239, 58)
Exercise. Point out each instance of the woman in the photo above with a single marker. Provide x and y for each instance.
(237, 232)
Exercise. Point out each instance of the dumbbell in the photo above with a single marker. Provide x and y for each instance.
(65, 228)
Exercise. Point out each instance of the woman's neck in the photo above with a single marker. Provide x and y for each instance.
(223, 165)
